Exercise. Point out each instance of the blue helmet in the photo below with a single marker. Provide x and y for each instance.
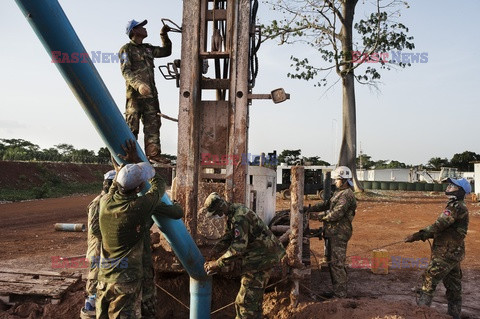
(461, 182)
(132, 24)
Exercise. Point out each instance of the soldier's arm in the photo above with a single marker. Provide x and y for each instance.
(93, 215)
(238, 244)
(174, 211)
(126, 67)
(153, 197)
(446, 218)
(319, 207)
(338, 211)
(166, 48)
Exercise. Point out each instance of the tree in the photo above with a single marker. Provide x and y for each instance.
(462, 161)
(364, 161)
(314, 160)
(328, 26)
(436, 163)
(290, 157)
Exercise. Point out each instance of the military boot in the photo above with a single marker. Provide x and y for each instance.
(455, 308)
(424, 299)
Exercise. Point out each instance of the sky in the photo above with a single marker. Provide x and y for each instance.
(427, 110)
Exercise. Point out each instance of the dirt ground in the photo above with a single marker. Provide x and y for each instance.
(29, 241)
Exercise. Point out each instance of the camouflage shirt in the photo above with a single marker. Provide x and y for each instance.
(341, 210)
(136, 63)
(248, 239)
(449, 231)
(123, 221)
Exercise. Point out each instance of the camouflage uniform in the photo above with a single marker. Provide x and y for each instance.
(137, 68)
(123, 220)
(149, 293)
(254, 249)
(94, 242)
(448, 250)
(337, 228)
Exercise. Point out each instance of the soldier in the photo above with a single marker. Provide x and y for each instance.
(337, 228)
(136, 61)
(251, 250)
(448, 249)
(123, 220)
(94, 242)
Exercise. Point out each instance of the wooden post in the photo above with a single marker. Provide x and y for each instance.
(294, 251)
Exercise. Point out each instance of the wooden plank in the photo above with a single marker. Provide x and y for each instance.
(215, 83)
(17, 283)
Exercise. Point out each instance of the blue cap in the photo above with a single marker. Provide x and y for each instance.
(109, 175)
(462, 182)
(132, 24)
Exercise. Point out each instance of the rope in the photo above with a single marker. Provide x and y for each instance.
(173, 297)
(232, 303)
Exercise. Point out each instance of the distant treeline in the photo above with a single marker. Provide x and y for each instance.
(21, 150)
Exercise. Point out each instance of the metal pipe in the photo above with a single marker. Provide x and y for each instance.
(69, 227)
(57, 35)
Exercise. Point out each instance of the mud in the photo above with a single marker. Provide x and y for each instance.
(28, 241)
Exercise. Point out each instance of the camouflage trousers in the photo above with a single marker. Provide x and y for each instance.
(145, 110)
(336, 258)
(149, 294)
(448, 271)
(248, 303)
(93, 252)
(117, 300)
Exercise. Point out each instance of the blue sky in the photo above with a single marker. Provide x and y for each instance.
(427, 110)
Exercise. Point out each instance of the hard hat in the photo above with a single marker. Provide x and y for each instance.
(212, 203)
(133, 175)
(342, 172)
(132, 24)
(109, 175)
(462, 182)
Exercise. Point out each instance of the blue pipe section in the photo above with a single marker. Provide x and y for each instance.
(54, 30)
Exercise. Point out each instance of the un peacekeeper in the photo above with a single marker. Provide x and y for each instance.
(337, 228)
(448, 249)
(94, 242)
(136, 62)
(251, 248)
(123, 220)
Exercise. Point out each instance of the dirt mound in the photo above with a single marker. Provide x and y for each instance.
(25, 175)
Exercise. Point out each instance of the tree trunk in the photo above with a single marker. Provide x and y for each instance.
(348, 149)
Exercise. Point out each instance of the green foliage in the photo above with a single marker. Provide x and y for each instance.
(21, 150)
(292, 157)
(462, 161)
(436, 163)
(321, 25)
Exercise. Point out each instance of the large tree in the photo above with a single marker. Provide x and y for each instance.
(328, 27)
(462, 161)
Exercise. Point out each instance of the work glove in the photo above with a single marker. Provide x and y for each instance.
(414, 237)
(306, 209)
(165, 29)
(143, 89)
(211, 267)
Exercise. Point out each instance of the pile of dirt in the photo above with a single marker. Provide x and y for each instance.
(25, 175)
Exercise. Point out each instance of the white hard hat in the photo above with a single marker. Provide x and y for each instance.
(342, 172)
(133, 175)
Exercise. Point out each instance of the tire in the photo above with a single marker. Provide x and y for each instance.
(320, 194)
(286, 194)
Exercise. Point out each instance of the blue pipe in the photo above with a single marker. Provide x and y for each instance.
(57, 35)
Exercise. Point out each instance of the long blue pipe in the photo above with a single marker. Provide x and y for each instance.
(57, 35)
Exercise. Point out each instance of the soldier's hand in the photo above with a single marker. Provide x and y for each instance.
(165, 29)
(211, 267)
(414, 237)
(143, 89)
(131, 155)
